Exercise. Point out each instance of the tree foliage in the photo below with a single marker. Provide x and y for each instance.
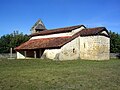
(11, 41)
(114, 42)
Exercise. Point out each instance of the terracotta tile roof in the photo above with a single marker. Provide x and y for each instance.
(57, 42)
(43, 43)
(93, 31)
(58, 30)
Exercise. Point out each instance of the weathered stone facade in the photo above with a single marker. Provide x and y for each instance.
(95, 47)
(70, 51)
(89, 48)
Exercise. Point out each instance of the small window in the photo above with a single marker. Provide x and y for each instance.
(73, 50)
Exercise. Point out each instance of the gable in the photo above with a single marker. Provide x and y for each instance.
(95, 31)
(105, 33)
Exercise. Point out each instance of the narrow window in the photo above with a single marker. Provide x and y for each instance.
(73, 50)
(84, 45)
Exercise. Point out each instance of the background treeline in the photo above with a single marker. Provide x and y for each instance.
(114, 42)
(15, 39)
(12, 40)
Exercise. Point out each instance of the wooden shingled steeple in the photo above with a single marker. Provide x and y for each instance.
(37, 27)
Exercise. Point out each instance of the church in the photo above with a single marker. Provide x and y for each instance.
(67, 43)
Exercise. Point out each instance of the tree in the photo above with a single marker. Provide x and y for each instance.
(11, 41)
(114, 42)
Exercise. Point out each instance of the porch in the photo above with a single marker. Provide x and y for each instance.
(36, 53)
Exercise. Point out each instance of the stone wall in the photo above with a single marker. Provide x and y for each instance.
(21, 55)
(51, 54)
(70, 51)
(7, 55)
(94, 48)
(115, 55)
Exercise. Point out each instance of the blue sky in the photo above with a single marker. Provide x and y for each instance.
(22, 14)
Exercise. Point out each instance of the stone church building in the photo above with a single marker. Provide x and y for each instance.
(67, 43)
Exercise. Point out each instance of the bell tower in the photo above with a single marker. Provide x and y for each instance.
(37, 27)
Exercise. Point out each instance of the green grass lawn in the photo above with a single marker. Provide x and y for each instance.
(55, 75)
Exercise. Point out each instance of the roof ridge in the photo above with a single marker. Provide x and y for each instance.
(57, 30)
(95, 27)
(65, 27)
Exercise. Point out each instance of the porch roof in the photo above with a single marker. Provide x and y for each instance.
(43, 43)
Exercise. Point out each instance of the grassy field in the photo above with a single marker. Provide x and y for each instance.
(55, 75)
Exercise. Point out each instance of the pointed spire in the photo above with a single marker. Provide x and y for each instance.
(38, 26)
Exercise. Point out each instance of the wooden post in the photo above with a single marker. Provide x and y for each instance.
(34, 54)
(25, 54)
